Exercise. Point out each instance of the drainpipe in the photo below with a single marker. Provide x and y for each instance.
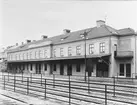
(135, 54)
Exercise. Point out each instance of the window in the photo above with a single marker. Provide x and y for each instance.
(69, 51)
(54, 67)
(102, 47)
(78, 50)
(30, 54)
(37, 54)
(15, 56)
(45, 67)
(91, 48)
(45, 53)
(61, 52)
(40, 53)
(121, 69)
(78, 68)
(27, 55)
(54, 53)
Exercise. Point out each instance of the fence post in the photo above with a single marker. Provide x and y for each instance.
(27, 85)
(69, 91)
(45, 88)
(4, 82)
(30, 77)
(14, 82)
(22, 76)
(2, 75)
(41, 79)
(114, 82)
(53, 80)
(8, 75)
(105, 94)
(88, 85)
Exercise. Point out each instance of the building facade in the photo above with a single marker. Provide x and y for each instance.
(103, 52)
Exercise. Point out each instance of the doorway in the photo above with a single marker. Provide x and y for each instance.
(61, 69)
(69, 70)
(102, 70)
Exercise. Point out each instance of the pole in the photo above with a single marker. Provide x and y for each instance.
(30, 77)
(85, 58)
(53, 80)
(27, 85)
(69, 91)
(4, 82)
(41, 79)
(105, 94)
(88, 84)
(14, 82)
(45, 88)
(22, 76)
(8, 75)
(114, 86)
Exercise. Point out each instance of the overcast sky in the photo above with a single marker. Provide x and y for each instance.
(29, 19)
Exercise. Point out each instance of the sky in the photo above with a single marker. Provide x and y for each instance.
(30, 19)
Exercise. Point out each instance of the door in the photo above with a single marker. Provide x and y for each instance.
(69, 71)
(128, 70)
(61, 69)
(102, 70)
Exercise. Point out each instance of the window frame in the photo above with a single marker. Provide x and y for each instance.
(78, 50)
(102, 47)
(69, 51)
(91, 48)
(61, 52)
(78, 67)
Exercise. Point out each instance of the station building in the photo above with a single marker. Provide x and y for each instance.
(105, 51)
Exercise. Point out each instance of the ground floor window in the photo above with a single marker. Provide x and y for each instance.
(77, 67)
(54, 67)
(45, 67)
(125, 70)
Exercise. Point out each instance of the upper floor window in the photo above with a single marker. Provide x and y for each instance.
(27, 55)
(37, 54)
(40, 53)
(19, 56)
(69, 51)
(30, 54)
(54, 53)
(91, 48)
(45, 53)
(102, 47)
(78, 50)
(61, 52)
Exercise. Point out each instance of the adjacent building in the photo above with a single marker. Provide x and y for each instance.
(105, 51)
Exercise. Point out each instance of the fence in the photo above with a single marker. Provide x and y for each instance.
(70, 91)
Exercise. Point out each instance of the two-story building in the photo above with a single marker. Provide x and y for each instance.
(105, 51)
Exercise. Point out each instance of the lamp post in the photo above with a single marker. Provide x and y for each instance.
(84, 35)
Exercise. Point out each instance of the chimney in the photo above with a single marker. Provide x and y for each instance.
(66, 31)
(22, 43)
(100, 23)
(16, 44)
(44, 36)
(28, 41)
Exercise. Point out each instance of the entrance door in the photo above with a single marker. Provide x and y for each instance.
(102, 70)
(61, 69)
(69, 71)
(128, 70)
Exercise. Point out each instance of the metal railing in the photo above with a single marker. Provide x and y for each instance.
(70, 91)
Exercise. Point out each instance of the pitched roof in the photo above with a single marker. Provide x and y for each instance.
(94, 32)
